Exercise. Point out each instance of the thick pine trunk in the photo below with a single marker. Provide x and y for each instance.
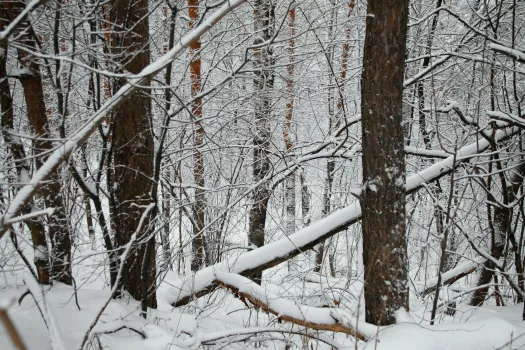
(383, 196)
(133, 148)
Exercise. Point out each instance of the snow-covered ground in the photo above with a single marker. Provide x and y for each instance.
(220, 320)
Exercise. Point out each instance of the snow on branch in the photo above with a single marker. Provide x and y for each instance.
(454, 106)
(507, 51)
(274, 253)
(507, 118)
(57, 342)
(44, 212)
(322, 319)
(428, 153)
(20, 18)
(448, 277)
(60, 155)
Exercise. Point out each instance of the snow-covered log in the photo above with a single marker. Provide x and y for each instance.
(272, 254)
(322, 319)
(448, 277)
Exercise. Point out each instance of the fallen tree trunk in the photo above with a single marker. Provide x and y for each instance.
(277, 252)
(321, 319)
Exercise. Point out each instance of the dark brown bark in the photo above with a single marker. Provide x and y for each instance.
(502, 228)
(383, 196)
(89, 221)
(37, 113)
(22, 165)
(200, 257)
(133, 148)
(263, 84)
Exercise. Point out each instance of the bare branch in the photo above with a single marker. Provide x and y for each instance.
(277, 252)
(20, 18)
(64, 151)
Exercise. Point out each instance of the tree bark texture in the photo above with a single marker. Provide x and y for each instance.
(133, 146)
(199, 210)
(37, 114)
(263, 84)
(383, 196)
(21, 162)
(501, 230)
(289, 195)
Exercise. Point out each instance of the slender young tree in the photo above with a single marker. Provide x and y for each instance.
(287, 128)
(334, 121)
(199, 208)
(332, 125)
(383, 196)
(263, 84)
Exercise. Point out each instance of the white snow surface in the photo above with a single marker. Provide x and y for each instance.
(482, 328)
(488, 329)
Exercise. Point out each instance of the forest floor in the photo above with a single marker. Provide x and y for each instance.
(211, 322)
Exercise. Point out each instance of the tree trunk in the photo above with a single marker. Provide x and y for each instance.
(383, 196)
(133, 147)
(89, 221)
(502, 228)
(58, 229)
(289, 195)
(263, 84)
(199, 209)
(22, 165)
(332, 125)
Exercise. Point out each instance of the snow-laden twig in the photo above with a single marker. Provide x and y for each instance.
(64, 151)
(116, 286)
(34, 214)
(38, 294)
(246, 333)
(449, 277)
(115, 326)
(508, 118)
